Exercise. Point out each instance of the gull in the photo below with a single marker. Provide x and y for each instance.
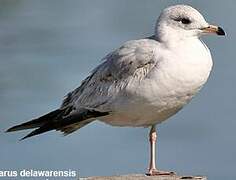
(142, 83)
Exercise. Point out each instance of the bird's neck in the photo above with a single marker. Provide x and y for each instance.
(174, 41)
(173, 37)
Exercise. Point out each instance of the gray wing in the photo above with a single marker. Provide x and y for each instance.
(132, 61)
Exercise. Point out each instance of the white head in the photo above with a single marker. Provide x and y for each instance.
(180, 22)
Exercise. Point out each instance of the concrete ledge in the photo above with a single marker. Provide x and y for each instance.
(144, 177)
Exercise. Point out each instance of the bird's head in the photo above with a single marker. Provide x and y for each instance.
(181, 22)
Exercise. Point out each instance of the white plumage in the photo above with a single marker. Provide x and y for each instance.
(145, 81)
(142, 83)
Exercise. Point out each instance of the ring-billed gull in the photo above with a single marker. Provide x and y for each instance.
(142, 83)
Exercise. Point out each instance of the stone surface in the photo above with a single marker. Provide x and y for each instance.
(144, 177)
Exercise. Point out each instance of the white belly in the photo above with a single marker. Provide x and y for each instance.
(148, 109)
(170, 85)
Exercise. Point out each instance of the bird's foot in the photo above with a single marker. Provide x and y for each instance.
(155, 172)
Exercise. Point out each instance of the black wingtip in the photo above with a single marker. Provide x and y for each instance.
(38, 122)
(11, 129)
(25, 137)
(16, 128)
(19, 127)
(33, 133)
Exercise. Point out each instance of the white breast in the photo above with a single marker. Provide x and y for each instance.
(171, 84)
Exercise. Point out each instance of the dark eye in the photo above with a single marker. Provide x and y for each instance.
(185, 21)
